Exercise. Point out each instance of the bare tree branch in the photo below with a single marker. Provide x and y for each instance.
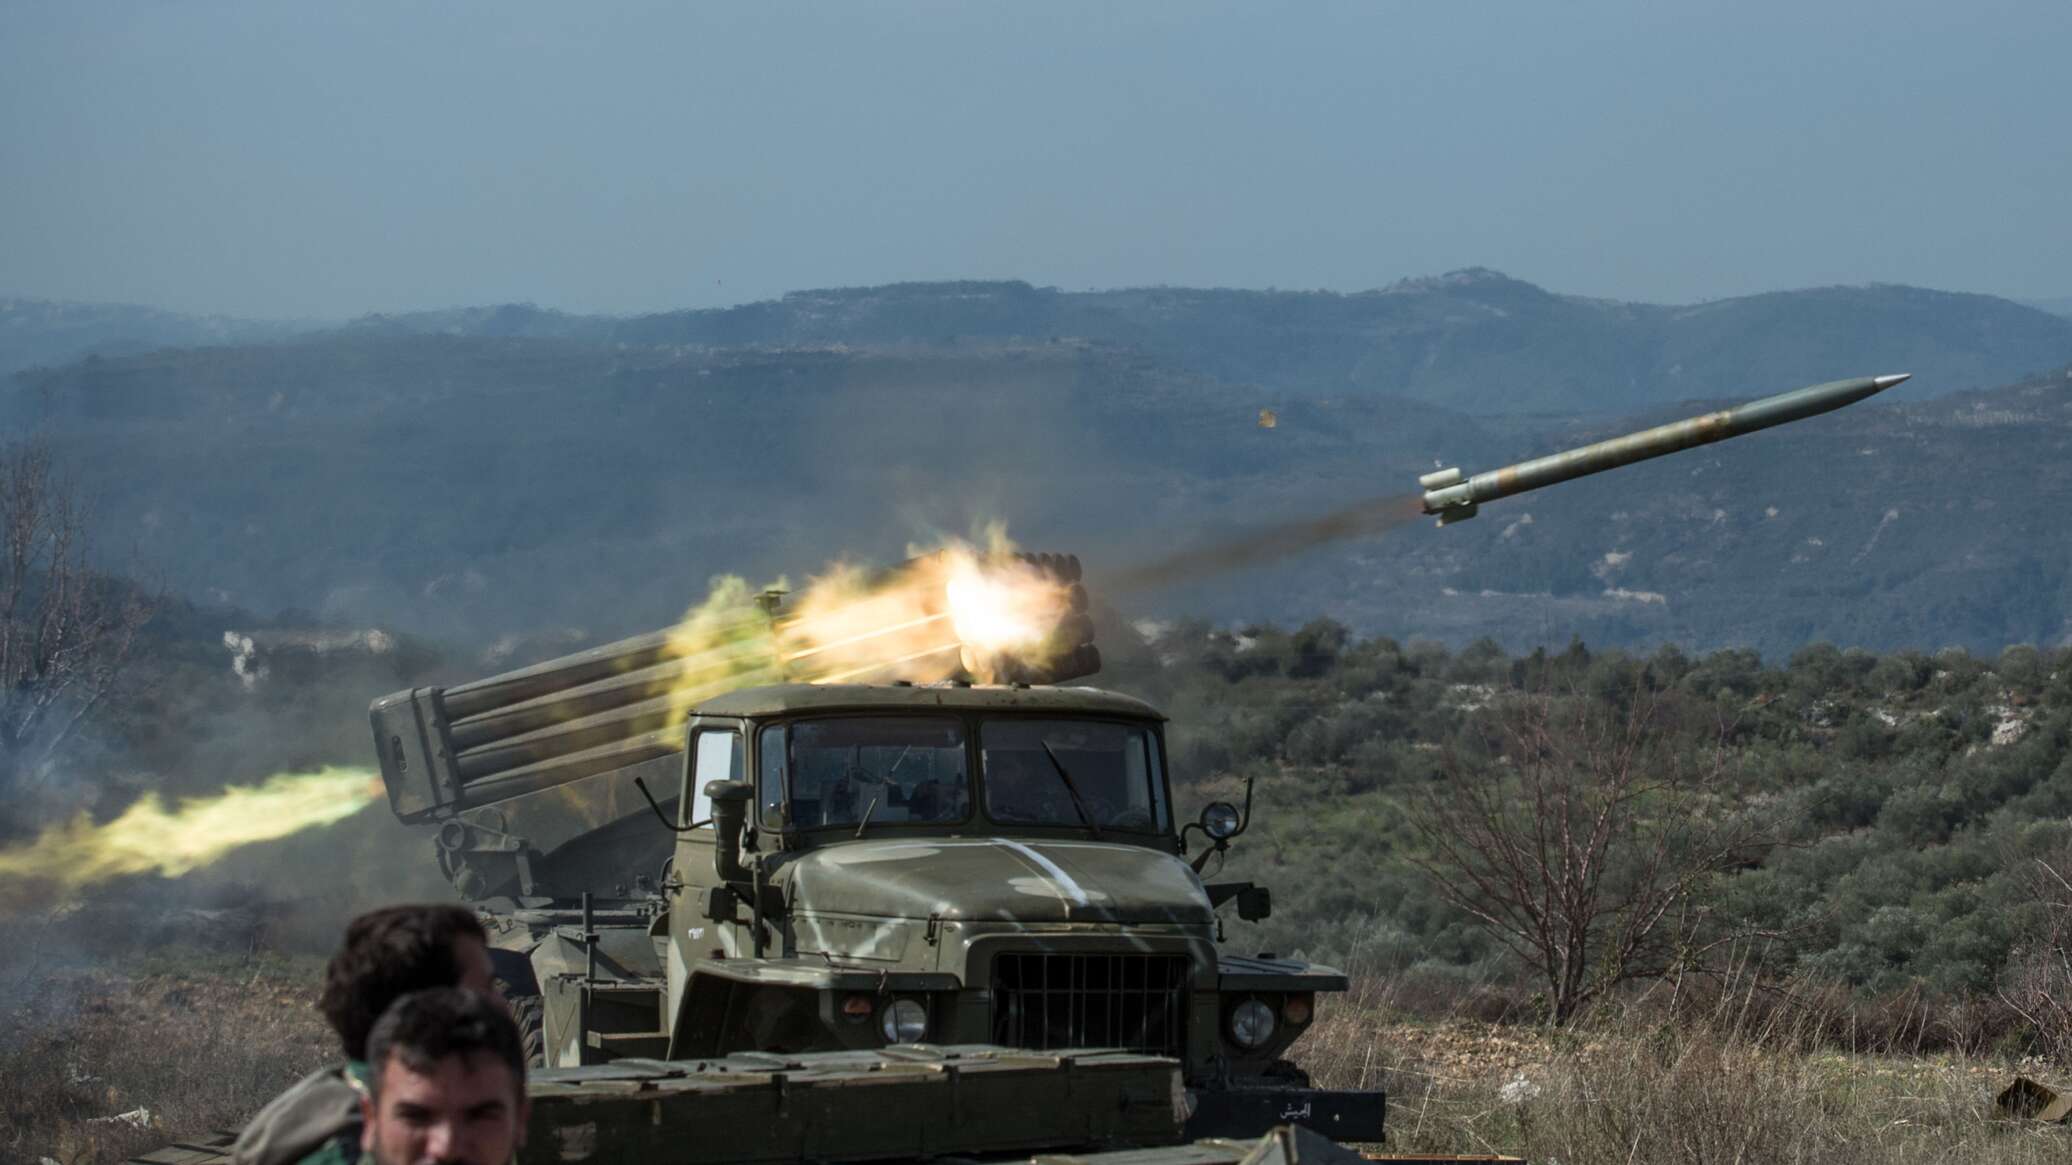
(1586, 845)
(66, 631)
(2038, 981)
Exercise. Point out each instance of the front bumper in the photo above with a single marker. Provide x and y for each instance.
(1246, 1112)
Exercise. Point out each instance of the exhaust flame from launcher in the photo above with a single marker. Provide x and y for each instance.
(148, 838)
(953, 611)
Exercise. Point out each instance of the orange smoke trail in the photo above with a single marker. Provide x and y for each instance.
(148, 838)
(1261, 547)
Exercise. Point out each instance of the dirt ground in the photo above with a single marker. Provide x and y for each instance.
(99, 1062)
(1687, 1092)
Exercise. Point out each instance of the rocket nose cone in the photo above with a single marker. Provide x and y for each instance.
(1881, 383)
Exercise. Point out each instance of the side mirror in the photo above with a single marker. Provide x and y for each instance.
(736, 792)
(729, 814)
(1255, 904)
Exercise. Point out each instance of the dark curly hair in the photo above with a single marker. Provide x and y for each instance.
(387, 954)
(425, 1027)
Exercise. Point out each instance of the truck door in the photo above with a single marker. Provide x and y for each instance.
(714, 752)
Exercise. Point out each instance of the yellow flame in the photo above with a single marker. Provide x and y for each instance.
(944, 613)
(1002, 608)
(148, 838)
(727, 642)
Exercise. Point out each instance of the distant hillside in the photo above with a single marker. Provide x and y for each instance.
(2061, 306)
(474, 485)
(46, 333)
(1474, 339)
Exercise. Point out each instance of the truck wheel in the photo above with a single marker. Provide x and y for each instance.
(774, 1019)
(1286, 1074)
(531, 1015)
(521, 989)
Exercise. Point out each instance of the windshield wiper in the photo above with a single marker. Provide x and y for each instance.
(1078, 806)
(867, 811)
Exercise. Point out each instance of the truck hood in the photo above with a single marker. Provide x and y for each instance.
(999, 879)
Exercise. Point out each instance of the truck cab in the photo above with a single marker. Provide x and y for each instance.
(861, 866)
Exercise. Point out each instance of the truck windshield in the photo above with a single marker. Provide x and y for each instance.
(1110, 775)
(898, 769)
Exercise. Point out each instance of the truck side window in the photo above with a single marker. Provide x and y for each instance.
(716, 757)
(769, 786)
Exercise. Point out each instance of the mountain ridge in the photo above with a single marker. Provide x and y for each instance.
(1468, 338)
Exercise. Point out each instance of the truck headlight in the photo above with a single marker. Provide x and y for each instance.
(1219, 819)
(905, 1022)
(1251, 1023)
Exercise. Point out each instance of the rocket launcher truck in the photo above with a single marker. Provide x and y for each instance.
(685, 853)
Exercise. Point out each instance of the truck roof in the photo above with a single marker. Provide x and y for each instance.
(777, 699)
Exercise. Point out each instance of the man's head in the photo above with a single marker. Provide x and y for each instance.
(391, 952)
(446, 1077)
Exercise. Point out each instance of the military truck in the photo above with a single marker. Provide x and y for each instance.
(851, 866)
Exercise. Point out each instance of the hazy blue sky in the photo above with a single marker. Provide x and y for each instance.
(330, 159)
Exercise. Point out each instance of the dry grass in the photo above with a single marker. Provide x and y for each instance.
(200, 1040)
(1669, 1085)
(196, 1040)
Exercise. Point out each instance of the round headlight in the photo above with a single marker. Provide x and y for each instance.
(1251, 1024)
(905, 1022)
(1219, 819)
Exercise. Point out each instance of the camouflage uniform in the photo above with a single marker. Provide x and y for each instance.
(316, 1122)
(341, 1150)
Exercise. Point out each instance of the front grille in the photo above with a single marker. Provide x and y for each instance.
(1137, 1002)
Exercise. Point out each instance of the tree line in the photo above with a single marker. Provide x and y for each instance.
(1567, 821)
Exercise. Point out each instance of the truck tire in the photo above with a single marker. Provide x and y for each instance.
(531, 1014)
(1285, 1074)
